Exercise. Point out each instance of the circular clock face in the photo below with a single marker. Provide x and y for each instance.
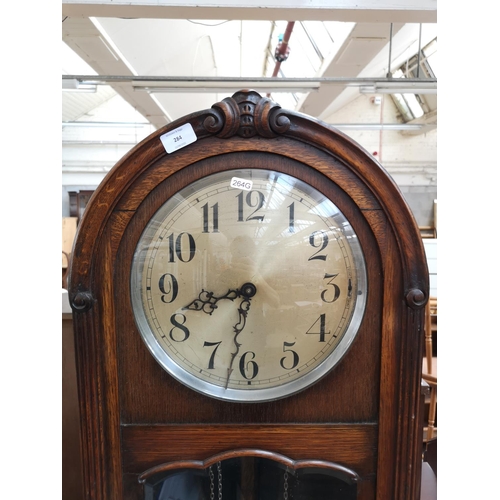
(248, 285)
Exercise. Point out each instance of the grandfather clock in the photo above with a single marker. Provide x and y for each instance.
(248, 288)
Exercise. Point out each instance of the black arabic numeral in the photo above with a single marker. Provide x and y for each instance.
(212, 356)
(321, 332)
(258, 204)
(322, 244)
(215, 216)
(295, 356)
(169, 293)
(250, 365)
(175, 247)
(240, 206)
(178, 326)
(291, 218)
(336, 289)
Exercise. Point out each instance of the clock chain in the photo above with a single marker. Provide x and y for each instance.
(212, 481)
(219, 477)
(219, 483)
(285, 486)
(212, 486)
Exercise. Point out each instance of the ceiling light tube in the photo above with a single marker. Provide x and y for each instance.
(399, 88)
(76, 86)
(227, 84)
(189, 87)
(153, 84)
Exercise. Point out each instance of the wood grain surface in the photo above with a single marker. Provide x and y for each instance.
(365, 414)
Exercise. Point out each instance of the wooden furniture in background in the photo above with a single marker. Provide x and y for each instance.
(366, 414)
(429, 368)
(430, 231)
(72, 482)
(69, 225)
(78, 201)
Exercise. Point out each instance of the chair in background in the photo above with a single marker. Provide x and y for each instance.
(429, 368)
(65, 269)
(429, 375)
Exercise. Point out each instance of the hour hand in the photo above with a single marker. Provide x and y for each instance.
(207, 301)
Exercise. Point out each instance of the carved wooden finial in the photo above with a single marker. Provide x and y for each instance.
(416, 298)
(82, 301)
(246, 114)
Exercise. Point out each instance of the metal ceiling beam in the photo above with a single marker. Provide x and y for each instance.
(86, 41)
(184, 83)
(370, 11)
(364, 43)
(365, 54)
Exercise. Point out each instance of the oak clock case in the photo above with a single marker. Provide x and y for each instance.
(248, 285)
(275, 319)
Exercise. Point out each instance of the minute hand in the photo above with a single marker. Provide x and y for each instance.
(207, 303)
(247, 291)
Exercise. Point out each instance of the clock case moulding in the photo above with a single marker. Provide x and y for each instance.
(366, 415)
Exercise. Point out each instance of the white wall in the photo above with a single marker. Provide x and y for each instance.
(410, 159)
(399, 153)
(90, 150)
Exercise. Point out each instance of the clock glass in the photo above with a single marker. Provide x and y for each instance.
(248, 285)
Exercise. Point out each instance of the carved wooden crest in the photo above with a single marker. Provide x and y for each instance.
(246, 114)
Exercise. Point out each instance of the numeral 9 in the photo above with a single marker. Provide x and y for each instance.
(169, 293)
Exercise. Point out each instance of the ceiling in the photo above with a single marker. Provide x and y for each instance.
(116, 46)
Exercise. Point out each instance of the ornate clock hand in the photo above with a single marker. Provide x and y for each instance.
(248, 290)
(207, 302)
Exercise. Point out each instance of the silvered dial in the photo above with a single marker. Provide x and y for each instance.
(248, 285)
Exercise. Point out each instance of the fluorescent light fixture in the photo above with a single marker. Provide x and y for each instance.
(158, 84)
(76, 86)
(201, 90)
(70, 84)
(399, 87)
(221, 86)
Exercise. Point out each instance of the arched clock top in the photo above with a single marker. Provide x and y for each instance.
(249, 117)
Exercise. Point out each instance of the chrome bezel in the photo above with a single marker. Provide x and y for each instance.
(253, 394)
